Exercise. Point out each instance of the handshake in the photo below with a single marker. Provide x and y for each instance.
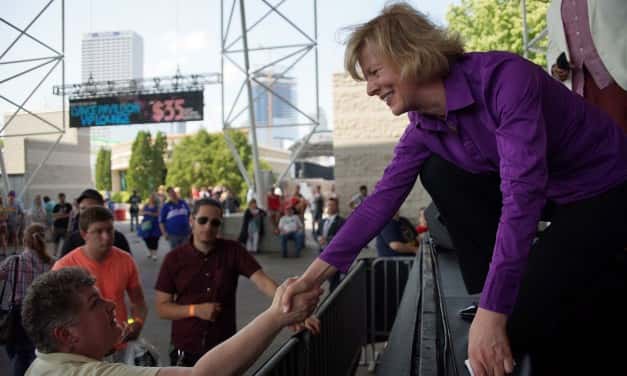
(293, 305)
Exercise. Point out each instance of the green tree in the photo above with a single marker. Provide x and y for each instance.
(140, 175)
(159, 148)
(486, 25)
(103, 170)
(204, 159)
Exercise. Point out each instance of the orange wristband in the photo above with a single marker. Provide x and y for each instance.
(192, 310)
(133, 320)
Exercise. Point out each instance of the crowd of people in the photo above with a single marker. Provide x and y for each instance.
(197, 282)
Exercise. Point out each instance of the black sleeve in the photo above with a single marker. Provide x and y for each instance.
(261, 223)
(120, 241)
(243, 232)
(320, 227)
(73, 241)
(56, 208)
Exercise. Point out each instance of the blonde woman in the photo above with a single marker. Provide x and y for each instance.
(499, 144)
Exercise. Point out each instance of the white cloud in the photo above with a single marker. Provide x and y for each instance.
(164, 67)
(180, 43)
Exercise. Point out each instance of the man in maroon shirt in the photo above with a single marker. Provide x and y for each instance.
(197, 284)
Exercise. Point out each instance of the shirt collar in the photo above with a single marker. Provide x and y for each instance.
(458, 93)
(59, 357)
(195, 251)
(458, 96)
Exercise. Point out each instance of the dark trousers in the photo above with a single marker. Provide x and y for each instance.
(21, 351)
(181, 358)
(134, 220)
(298, 237)
(568, 314)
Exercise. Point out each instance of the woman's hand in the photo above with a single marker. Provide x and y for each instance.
(488, 346)
(296, 287)
(302, 305)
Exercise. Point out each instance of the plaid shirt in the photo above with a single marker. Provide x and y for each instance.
(31, 266)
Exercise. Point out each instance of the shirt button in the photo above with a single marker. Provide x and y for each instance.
(208, 289)
(580, 49)
(207, 274)
(577, 33)
(576, 18)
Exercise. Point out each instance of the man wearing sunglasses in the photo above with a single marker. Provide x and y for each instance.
(197, 284)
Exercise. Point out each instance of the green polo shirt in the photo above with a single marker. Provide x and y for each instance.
(65, 364)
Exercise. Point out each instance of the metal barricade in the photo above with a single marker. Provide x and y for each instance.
(356, 315)
(337, 349)
(387, 280)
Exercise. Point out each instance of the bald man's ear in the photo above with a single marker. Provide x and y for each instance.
(83, 235)
(64, 337)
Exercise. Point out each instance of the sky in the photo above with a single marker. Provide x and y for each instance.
(184, 34)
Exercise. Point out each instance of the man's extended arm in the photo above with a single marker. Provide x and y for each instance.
(264, 283)
(235, 355)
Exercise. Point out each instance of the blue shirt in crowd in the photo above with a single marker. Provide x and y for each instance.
(175, 218)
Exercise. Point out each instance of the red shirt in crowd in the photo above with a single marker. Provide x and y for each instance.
(274, 202)
(193, 278)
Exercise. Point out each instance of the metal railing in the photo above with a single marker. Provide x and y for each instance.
(358, 313)
(387, 279)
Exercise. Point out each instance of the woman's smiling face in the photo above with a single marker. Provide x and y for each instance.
(383, 79)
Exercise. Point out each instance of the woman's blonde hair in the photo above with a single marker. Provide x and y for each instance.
(406, 38)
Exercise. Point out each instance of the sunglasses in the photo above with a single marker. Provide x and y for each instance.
(214, 222)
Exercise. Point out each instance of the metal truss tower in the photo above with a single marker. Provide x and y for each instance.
(276, 43)
(50, 61)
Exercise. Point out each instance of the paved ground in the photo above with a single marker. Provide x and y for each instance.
(250, 301)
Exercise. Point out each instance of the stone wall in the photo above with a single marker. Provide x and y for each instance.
(364, 135)
(66, 170)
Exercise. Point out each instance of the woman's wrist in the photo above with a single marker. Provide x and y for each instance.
(317, 272)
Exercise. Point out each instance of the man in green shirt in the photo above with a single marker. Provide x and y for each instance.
(73, 328)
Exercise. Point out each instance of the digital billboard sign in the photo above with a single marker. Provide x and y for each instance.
(136, 109)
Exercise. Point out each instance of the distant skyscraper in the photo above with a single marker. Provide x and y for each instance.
(272, 112)
(111, 55)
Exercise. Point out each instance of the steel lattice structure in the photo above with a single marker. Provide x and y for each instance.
(234, 44)
(51, 62)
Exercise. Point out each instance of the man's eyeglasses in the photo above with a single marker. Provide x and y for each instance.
(214, 222)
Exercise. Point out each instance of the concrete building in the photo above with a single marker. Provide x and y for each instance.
(278, 159)
(271, 112)
(364, 135)
(67, 170)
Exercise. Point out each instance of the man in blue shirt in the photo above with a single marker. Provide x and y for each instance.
(391, 242)
(174, 220)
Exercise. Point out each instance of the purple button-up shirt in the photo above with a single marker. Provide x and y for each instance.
(581, 46)
(506, 115)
